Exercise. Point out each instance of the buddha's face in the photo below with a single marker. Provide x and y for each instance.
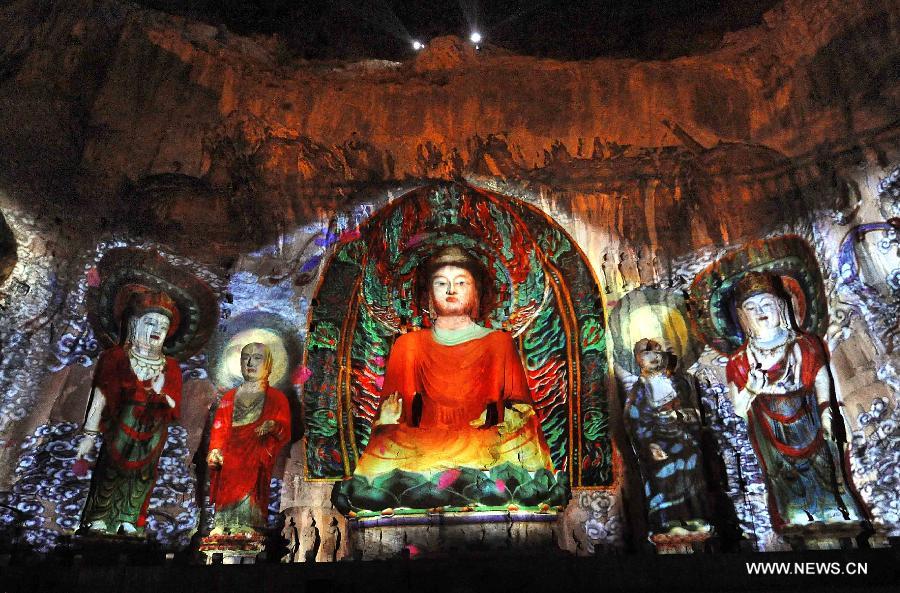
(762, 315)
(453, 292)
(653, 359)
(253, 362)
(149, 331)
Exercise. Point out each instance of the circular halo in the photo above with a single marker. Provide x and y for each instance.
(658, 322)
(224, 349)
(228, 371)
(655, 314)
(712, 308)
(429, 219)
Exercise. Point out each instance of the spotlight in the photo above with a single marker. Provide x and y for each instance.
(475, 37)
(417, 45)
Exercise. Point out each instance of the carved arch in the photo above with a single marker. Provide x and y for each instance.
(549, 299)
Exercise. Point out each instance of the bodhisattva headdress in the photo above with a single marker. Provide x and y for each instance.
(756, 283)
(135, 300)
(134, 281)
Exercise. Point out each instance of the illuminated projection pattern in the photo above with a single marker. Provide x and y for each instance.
(870, 278)
(875, 450)
(47, 498)
(651, 313)
(548, 299)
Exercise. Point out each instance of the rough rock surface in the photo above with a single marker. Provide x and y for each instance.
(7, 250)
(98, 95)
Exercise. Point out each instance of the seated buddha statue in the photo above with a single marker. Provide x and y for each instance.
(455, 397)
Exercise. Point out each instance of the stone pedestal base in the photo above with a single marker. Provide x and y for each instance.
(235, 549)
(819, 535)
(435, 536)
(687, 543)
(879, 539)
(102, 548)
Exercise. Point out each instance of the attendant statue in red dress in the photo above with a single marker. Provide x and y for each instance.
(136, 395)
(251, 426)
(780, 383)
(455, 400)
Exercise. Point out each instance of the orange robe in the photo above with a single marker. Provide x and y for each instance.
(455, 385)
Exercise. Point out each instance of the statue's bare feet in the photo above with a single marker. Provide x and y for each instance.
(129, 529)
(699, 525)
(97, 525)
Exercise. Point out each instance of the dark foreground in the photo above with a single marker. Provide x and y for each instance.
(494, 574)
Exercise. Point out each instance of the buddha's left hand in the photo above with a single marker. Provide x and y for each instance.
(514, 418)
(265, 428)
(391, 410)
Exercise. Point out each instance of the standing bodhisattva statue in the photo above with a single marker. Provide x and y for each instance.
(136, 394)
(780, 383)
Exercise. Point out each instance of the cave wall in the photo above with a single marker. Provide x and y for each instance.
(128, 127)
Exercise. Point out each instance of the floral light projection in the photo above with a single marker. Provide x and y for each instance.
(50, 450)
(44, 475)
(229, 370)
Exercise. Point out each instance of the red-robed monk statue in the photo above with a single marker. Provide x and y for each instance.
(455, 396)
(251, 426)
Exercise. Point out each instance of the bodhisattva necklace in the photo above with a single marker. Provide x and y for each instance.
(145, 367)
(770, 350)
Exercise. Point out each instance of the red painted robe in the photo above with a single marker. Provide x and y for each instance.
(247, 459)
(134, 424)
(787, 435)
(791, 411)
(455, 385)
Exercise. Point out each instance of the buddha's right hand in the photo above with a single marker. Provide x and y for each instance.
(742, 400)
(85, 446)
(214, 459)
(391, 410)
